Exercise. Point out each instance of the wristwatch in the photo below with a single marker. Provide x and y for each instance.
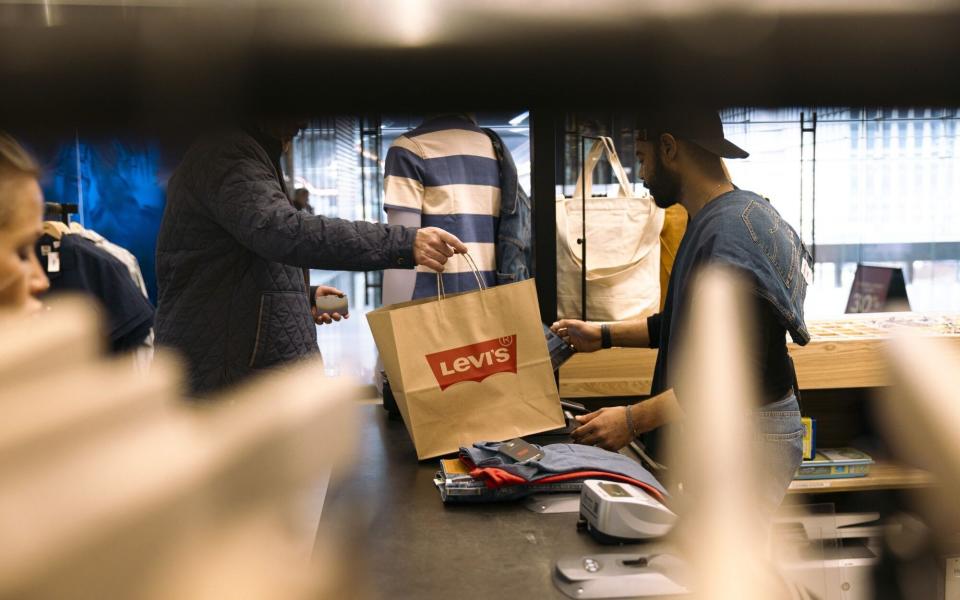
(605, 340)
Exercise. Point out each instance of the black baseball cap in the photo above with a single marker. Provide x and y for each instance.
(699, 126)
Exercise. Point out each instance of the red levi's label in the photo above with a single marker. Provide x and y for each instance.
(475, 362)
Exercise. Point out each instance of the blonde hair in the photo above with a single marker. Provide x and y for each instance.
(14, 162)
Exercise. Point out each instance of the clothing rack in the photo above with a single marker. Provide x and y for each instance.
(63, 211)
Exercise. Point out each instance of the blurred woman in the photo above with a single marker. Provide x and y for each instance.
(22, 279)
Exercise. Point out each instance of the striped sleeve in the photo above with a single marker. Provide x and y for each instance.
(403, 177)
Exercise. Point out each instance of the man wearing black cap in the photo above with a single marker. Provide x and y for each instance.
(681, 161)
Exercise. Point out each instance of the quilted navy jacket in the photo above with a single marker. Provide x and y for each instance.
(230, 259)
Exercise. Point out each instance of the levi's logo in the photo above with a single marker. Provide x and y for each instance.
(475, 362)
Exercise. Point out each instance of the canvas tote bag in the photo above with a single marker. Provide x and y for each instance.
(468, 367)
(623, 247)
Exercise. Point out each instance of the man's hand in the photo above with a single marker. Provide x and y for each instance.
(605, 428)
(327, 318)
(583, 336)
(433, 246)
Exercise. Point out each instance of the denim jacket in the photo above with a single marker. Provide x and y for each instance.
(514, 230)
(742, 230)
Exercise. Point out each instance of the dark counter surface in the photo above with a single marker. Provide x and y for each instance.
(411, 545)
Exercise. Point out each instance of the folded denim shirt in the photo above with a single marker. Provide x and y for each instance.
(559, 459)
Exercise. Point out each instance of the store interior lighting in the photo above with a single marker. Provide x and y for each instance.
(519, 118)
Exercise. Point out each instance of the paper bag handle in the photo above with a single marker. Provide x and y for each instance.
(476, 273)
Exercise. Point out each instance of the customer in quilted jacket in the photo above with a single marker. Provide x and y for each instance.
(233, 251)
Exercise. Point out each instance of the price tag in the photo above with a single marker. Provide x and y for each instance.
(805, 485)
(806, 271)
(53, 262)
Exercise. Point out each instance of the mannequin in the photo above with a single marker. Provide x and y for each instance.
(444, 173)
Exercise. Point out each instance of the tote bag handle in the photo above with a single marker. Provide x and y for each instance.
(605, 144)
(585, 178)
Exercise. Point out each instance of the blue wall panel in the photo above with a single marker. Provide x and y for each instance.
(120, 186)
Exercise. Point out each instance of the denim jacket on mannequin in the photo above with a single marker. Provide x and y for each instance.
(514, 231)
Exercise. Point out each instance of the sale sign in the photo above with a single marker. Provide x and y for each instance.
(878, 289)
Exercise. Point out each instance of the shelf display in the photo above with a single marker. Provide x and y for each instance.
(883, 476)
(845, 352)
(835, 463)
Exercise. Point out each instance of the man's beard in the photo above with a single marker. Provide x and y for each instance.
(663, 186)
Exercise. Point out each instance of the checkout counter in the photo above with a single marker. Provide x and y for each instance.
(407, 544)
(414, 546)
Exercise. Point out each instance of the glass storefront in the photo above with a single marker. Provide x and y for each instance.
(872, 186)
(340, 161)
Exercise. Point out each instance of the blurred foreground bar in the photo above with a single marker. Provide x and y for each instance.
(113, 487)
(63, 62)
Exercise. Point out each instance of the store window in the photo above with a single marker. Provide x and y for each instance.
(861, 185)
(325, 161)
(868, 186)
(340, 162)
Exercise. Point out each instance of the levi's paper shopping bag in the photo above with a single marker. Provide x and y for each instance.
(469, 367)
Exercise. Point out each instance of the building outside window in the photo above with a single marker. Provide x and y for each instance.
(872, 186)
(886, 192)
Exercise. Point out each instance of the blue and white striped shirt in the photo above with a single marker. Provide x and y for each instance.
(447, 171)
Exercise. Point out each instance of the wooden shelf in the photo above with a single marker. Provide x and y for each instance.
(840, 364)
(844, 353)
(883, 476)
(612, 372)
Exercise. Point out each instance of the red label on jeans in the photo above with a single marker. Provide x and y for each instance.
(475, 362)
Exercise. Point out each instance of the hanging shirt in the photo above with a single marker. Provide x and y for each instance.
(143, 354)
(119, 252)
(446, 170)
(80, 266)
